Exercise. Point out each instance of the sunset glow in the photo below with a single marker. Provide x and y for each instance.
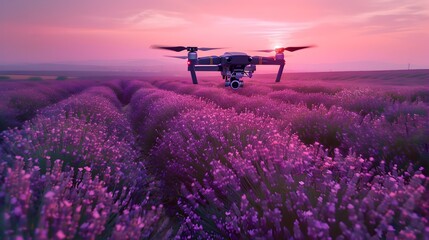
(361, 35)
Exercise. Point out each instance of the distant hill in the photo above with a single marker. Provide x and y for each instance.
(64, 67)
(418, 77)
(138, 65)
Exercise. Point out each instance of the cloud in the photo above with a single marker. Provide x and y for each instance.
(276, 31)
(154, 19)
(382, 17)
(408, 17)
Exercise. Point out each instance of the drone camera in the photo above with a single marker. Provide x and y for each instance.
(236, 84)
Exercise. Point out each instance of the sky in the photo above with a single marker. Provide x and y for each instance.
(349, 35)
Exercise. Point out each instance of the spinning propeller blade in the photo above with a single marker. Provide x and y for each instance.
(293, 49)
(265, 51)
(181, 57)
(182, 48)
(171, 48)
(208, 49)
(289, 49)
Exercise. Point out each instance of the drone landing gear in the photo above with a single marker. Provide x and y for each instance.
(280, 72)
(193, 74)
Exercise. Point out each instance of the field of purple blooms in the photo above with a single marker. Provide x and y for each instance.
(165, 159)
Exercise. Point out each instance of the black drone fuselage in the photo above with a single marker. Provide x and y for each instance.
(233, 66)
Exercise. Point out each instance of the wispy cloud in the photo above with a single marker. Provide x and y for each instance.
(400, 18)
(384, 16)
(276, 31)
(154, 19)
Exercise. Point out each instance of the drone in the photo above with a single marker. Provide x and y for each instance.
(232, 65)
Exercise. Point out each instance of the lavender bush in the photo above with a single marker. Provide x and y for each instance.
(90, 131)
(132, 87)
(19, 101)
(251, 181)
(274, 197)
(309, 99)
(113, 196)
(60, 204)
(207, 134)
(352, 126)
(160, 107)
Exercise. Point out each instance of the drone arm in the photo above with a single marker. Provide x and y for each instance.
(207, 68)
(211, 60)
(258, 60)
(277, 60)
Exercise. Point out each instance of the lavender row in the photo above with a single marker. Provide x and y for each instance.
(240, 177)
(74, 172)
(365, 122)
(63, 203)
(19, 101)
(151, 109)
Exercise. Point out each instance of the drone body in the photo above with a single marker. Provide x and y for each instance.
(233, 66)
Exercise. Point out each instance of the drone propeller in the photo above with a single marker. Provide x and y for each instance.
(171, 48)
(208, 49)
(282, 49)
(181, 57)
(182, 48)
(264, 51)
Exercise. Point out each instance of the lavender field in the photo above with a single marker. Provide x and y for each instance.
(317, 156)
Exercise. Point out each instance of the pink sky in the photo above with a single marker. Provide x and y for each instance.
(350, 35)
